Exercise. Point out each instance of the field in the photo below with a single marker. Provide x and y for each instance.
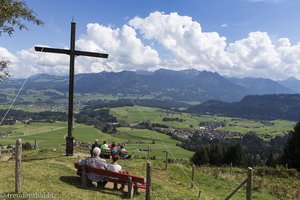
(52, 135)
(214, 183)
(138, 114)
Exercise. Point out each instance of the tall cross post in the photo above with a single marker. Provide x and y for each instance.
(72, 53)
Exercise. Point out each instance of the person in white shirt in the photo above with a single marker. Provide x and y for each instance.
(115, 167)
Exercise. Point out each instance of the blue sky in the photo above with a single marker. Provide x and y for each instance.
(233, 37)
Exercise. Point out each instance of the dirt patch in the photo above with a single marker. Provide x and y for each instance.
(5, 157)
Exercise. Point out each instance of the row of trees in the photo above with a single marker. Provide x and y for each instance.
(100, 118)
(35, 116)
(219, 155)
(251, 150)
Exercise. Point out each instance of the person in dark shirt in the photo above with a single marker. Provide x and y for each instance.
(93, 147)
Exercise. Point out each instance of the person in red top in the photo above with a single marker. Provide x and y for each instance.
(113, 150)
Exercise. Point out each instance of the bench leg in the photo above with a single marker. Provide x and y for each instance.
(83, 177)
(135, 190)
(130, 188)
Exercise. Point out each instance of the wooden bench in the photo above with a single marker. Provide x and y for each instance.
(133, 182)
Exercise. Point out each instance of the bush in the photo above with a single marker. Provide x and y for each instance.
(26, 146)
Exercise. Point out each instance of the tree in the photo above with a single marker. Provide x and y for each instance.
(201, 157)
(3, 70)
(215, 155)
(291, 153)
(235, 154)
(12, 14)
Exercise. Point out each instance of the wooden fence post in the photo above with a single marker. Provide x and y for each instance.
(148, 153)
(193, 176)
(35, 145)
(199, 195)
(83, 177)
(166, 162)
(230, 167)
(18, 156)
(148, 181)
(249, 184)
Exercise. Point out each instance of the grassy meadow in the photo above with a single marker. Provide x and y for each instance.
(48, 170)
(53, 135)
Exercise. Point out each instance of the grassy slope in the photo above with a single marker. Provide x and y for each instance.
(52, 135)
(49, 171)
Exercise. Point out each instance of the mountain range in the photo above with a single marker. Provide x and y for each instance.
(186, 85)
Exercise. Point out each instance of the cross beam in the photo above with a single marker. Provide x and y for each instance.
(68, 52)
(72, 53)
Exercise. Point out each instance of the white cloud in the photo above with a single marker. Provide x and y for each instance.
(6, 55)
(184, 38)
(258, 56)
(255, 54)
(28, 62)
(182, 43)
(224, 25)
(126, 50)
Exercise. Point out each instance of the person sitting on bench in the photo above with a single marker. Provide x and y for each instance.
(123, 153)
(95, 162)
(104, 146)
(93, 146)
(115, 167)
(113, 150)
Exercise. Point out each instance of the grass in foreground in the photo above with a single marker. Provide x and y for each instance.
(50, 171)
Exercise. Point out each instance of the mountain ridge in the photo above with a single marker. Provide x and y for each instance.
(185, 85)
(260, 107)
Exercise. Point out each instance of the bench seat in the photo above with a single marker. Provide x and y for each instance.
(110, 176)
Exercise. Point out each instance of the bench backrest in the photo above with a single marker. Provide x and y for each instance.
(107, 173)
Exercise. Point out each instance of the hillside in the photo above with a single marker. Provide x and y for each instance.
(264, 107)
(261, 86)
(214, 183)
(291, 83)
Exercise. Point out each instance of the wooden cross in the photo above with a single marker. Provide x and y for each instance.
(72, 52)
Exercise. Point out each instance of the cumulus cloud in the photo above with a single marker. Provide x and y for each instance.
(255, 53)
(184, 38)
(126, 50)
(29, 62)
(182, 44)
